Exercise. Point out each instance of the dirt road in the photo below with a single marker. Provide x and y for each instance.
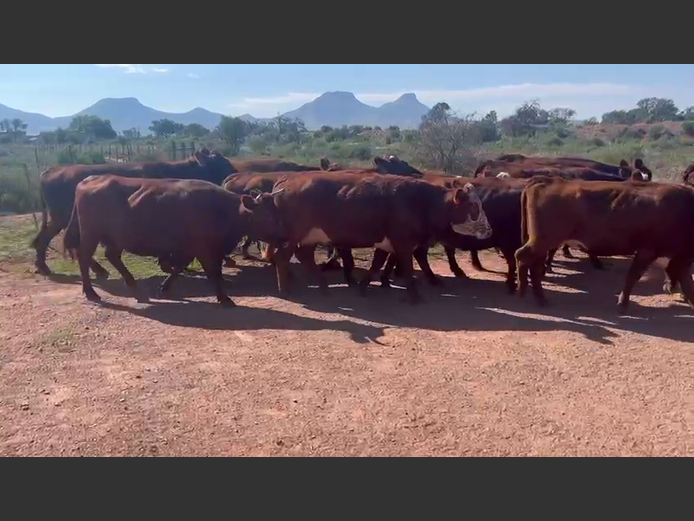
(472, 371)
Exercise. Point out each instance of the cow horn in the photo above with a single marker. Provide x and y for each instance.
(277, 192)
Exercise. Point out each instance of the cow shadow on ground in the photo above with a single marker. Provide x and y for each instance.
(212, 316)
(475, 304)
(485, 305)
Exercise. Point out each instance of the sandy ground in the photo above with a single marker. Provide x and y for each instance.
(472, 371)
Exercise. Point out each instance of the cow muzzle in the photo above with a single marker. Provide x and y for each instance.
(478, 228)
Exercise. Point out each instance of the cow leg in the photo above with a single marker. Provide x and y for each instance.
(307, 257)
(282, 257)
(229, 262)
(380, 257)
(453, 263)
(41, 242)
(567, 252)
(347, 265)
(85, 255)
(113, 255)
(511, 273)
(596, 262)
(388, 271)
(686, 284)
(642, 260)
(475, 258)
(212, 265)
(527, 261)
(421, 256)
(549, 261)
(405, 263)
(332, 263)
(671, 285)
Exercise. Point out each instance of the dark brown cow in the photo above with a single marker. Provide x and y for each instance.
(501, 202)
(173, 220)
(608, 219)
(349, 210)
(511, 163)
(58, 186)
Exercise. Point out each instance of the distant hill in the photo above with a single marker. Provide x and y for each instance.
(332, 108)
(339, 108)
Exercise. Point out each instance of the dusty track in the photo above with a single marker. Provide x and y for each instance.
(473, 371)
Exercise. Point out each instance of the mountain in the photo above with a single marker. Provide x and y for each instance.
(404, 112)
(126, 113)
(36, 122)
(332, 108)
(335, 109)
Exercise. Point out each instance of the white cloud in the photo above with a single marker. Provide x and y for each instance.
(129, 68)
(193, 75)
(503, 98)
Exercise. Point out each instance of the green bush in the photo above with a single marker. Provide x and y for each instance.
(688, 128)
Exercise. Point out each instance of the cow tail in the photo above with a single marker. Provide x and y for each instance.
(44, 220)
(524, 216)
(71, 241)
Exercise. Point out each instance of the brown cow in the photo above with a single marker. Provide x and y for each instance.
(270, 165)
(608, 219)
(349, 210)
(171, 219)
(58, 186)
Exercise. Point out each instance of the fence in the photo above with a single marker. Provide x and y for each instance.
(45, 154)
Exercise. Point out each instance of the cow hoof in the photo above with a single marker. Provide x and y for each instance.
(460, 274)
(226, 303)
(101, 274)
(385, 284)
(42, 269)
(478, 267)
(92, 296)
(230, 263)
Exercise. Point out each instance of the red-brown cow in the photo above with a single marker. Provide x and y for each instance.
(58, 186)
(394, 214)
(171, 219)
(608, 219)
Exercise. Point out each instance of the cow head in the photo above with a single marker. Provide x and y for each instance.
(395, 166)
(217, 167)
(325, 164)
(264, 217)
(466, 213)
(638, 164)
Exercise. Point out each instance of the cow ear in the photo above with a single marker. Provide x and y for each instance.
(205, 151)
(248, 203)
(623, 163)
(378, 160)
(200, 158)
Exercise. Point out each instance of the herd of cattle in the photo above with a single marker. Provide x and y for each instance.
(524, 207)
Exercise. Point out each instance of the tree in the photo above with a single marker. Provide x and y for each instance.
(233, 131)
(18, 124)
(92, 128)
(445, 140)
(657, 109)
(5, 125)
(488, 128)
(132, 133)
(526, 121)
(195, 130)
(165, 127)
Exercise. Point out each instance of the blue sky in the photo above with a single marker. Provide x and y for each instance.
(266, 89)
